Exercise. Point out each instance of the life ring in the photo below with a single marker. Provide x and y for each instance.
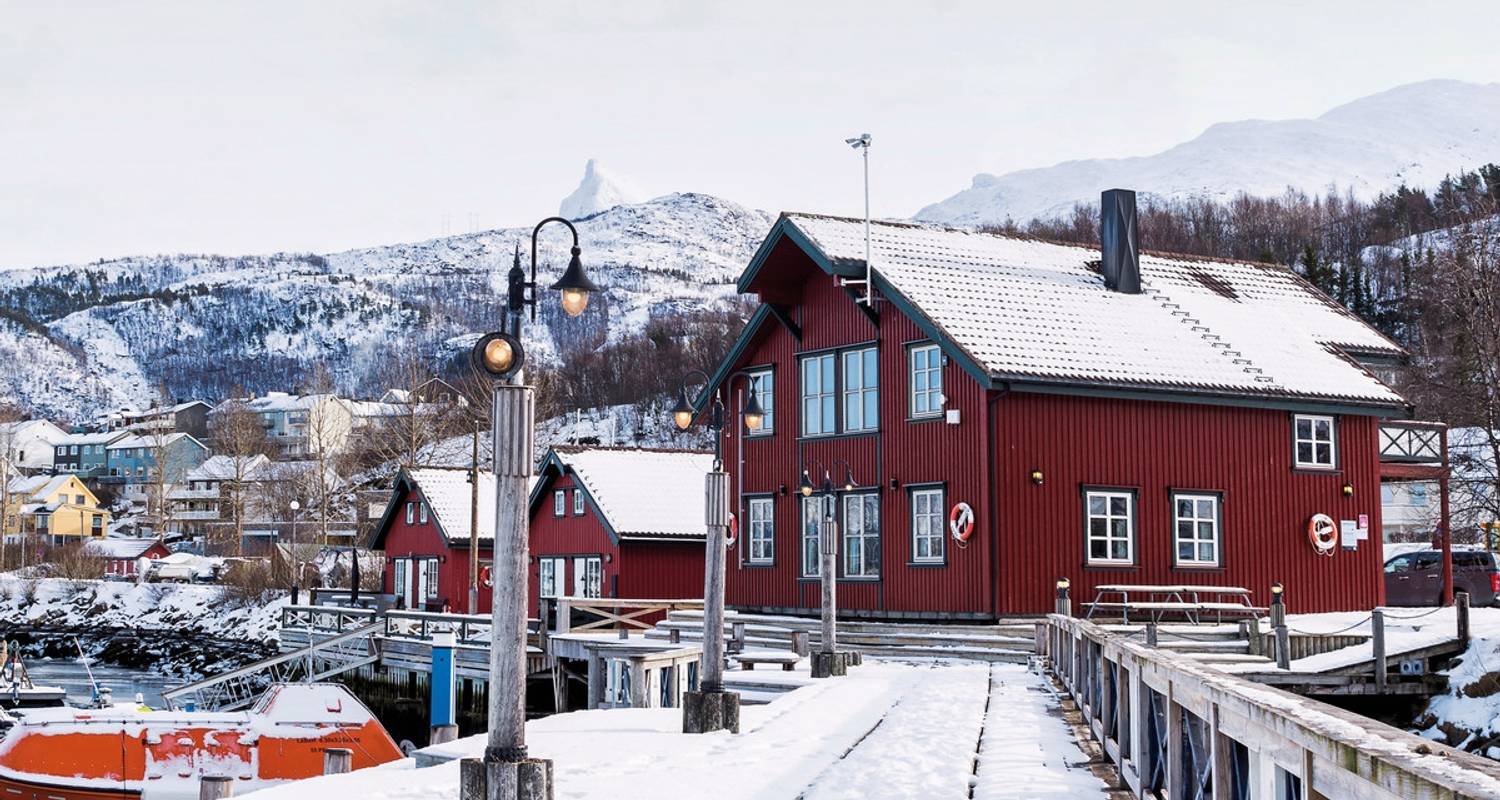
(732, 532)
(961, 521)
(487, 576)
(1322, 533)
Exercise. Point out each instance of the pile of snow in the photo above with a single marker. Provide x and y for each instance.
(1467, 716)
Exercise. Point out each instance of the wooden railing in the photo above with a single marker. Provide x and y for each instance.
(1412, 442)
(612, 612)
(1179, 727)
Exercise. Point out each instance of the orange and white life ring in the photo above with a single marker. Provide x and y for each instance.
(732, 533)
(1322, 533)
(487, 576)
(961, 521)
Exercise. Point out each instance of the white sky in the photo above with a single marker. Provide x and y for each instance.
(241, 127)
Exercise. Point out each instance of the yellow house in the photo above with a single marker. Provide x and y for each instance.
(58, 507)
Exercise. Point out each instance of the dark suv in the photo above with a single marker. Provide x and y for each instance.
(1416, 579)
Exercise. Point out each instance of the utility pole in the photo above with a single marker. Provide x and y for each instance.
(862, 144)
(474, 525)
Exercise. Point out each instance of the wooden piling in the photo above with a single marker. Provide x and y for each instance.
(1461, 601)
(1377, 641)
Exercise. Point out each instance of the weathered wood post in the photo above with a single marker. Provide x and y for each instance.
(1151, 634)
(1461, 601)
(337, 760)
(675, 636)
(737, 638)
(827, 662)
(1278, 623)
(711, 708)
(1377, 643)
(506, 773)
(215, 787)
(441, 694)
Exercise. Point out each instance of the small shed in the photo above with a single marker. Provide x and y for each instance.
(126, 557)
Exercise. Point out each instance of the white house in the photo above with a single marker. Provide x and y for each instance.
(28, 444)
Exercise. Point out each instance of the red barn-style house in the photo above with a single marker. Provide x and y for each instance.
(1114, 417)
(618, 522)
(425, 536)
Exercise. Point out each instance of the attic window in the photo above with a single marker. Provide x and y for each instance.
(1216, 284)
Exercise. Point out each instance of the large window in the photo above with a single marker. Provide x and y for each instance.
(1110, 521)
(861, 390)
(812, 518)
(861, 536)
(762, 531)
(1195, 518)
(1313, 441)
(927, 526)
(588, 576)
(764, 382)
(818, 395)
(551, 573)
(925, 363)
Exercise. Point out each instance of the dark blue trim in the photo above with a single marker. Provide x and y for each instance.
(762, 313)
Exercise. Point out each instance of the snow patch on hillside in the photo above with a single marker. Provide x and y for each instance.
(600, 190)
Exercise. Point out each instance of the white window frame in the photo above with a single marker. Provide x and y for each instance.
(809, 536)
(552, 574)
(1109, 518)
(825, 399)
(588, 576)
(858, 533)
(761, 530)
(764, 381)
(927, 525)
(927, 400)
(1314, 441)
(401, 579)
(422, 512)
(577, 502)
(863, 395)
(559, 502)
(411, 512)
(430, 573)
(1195, 520)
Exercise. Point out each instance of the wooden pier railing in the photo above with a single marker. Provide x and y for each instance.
(603, 613)
(1176, 727)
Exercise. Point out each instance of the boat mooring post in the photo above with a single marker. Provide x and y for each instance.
(215, 787)
(441, 692)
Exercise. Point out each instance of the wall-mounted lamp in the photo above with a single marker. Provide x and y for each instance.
(1348, 490)
(895, 483)
(1036, 477)
(608, 557)
(1063, 584)
(781, 490)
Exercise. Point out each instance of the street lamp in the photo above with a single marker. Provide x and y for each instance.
(506, 772)
(292, 551)
(711, 708)
(828, 661)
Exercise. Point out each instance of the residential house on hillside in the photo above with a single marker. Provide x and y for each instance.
(132, 461)
(190, 417)
(203, 504)
(434, 390)
(84, 454)
(298, 426)
(54, 508)
(26, 446)
(996, 412)
(126, 557)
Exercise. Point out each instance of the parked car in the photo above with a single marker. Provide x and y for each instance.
(1416, 578)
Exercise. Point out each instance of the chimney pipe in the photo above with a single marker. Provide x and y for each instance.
(1119, 241)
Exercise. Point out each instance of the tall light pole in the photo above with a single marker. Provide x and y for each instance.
(828, 662)
(296, 568)
(862, 144)
(711, 708)
(505, 772)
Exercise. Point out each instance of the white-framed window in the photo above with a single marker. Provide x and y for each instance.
(762, 530)
(577, 502)
(73, 450)
(62, 450)
(411, 513)
(588, 576)
(1195, 519)
(559, 502)
(401, 579)
(764, 383)
(422, 512)
(430, 578)
(927, 526)
(1110, 526)
(925, 365)
(861, 536)
(1313, 441)
(861, 390)
(551, 575)
(818, 385)
(812, 519)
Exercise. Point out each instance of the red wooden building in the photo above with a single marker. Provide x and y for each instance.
(618, 522)
(1110, 418)
(126, 557)
(425, 535)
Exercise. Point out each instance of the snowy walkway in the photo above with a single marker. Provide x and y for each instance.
(889, 730)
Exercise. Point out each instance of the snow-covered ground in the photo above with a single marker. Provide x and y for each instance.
(888, 730)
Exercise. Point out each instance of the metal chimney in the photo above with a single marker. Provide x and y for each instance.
(1119, 239)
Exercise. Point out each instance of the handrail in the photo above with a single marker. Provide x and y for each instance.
(614, 612)
(302, 654)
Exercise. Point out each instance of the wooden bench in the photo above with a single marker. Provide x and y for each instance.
(787, 660)
(1192, 602)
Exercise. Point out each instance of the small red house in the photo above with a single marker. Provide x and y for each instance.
(618, 522)
(1008, 411)
(125, 557)
(425, 536)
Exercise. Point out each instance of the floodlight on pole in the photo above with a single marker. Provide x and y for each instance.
(862, 144)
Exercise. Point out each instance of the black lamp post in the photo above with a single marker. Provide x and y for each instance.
(506, 771)
(711, 708)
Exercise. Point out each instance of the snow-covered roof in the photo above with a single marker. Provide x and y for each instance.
(93, 437)
(282, 401)
(223, 467)
(449, 498)
(39, 428)
(150, 441)
(38, 486)
(119, 548)
(1027, 310)
(642, 493)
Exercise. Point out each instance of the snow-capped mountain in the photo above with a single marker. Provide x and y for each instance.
(1414, 134)
(600, 190)
(82, 339)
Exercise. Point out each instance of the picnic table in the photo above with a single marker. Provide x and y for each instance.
(1156, 602)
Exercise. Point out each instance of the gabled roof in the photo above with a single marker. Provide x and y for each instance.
(38, 487)
(639, 493)
(150, 441)
(449, 501)
(222, 468)
(1032, 314)
(95, 437)
(119, 548)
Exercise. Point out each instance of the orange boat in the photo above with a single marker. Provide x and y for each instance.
(128, 751)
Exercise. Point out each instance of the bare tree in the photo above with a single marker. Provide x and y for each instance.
(159, 440)
(9, 471)
(240, 437)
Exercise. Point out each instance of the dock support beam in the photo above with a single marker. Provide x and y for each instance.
(1377, 644)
